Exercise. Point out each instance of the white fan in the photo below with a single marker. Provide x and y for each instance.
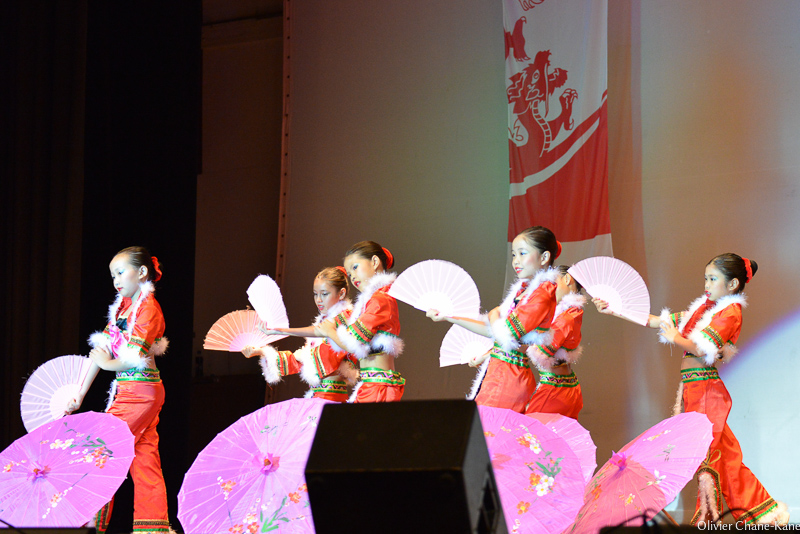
(439, 285)
(50, 388)
(617, 283)
(236, 330)
(265, 297)
(460, 345)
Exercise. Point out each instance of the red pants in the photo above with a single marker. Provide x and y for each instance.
(557, 394)
(138, 403)
(379, 385)
(744, 495)
(506, 386)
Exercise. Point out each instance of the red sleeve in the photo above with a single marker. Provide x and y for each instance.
(327, 359)
(148, 327)
(535, 315)
(380, 316)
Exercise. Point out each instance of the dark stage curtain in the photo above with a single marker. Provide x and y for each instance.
(42, 74)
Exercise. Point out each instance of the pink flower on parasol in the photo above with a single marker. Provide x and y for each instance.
(577, 437)
(646, 474)
(62, 472)
(539, 478)
(250, 477)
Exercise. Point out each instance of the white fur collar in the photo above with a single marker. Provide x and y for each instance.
(145, 289)
(570, 300)
(341, 306)
(375, 283)
(545, 275)
(719, 305)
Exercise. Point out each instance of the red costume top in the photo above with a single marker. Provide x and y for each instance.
(374, 326)
(565, 345)
(140, 337)
(713, 327)
(317, 359)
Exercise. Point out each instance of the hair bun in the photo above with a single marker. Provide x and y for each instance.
(389, 258)
(157, 269)
(558, 250)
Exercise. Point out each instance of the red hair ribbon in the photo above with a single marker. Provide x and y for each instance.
(558, 250)
(389, 258)
(157, 269)
(342, 269)
(749, 270)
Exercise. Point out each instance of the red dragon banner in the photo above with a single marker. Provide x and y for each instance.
(556, 80)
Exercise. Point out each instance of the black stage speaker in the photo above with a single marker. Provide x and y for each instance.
(402, 467)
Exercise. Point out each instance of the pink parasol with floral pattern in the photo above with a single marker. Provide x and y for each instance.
(646, 474)
(250, 477)
(61, 473)
(577, 437)
(539, 477)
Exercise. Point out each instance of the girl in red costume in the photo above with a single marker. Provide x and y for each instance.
(132, 338)
(322, 364)
(707, 332)
(505, 379)
(372, 331)
(559, 390)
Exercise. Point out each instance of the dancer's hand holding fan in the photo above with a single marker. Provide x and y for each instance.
(50, 389)
(239, 329)
(616, 288)
(460, 346)
(438, 285)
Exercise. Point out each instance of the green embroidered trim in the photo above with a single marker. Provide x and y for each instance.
(377, 375)
(713, 336)
(697, 374)
(139, 375)
(513, 357)
(559, 381)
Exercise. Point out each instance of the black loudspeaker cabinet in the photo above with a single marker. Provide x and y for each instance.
(402, 467)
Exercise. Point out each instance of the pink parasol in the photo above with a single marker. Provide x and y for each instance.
(646, 474)
(538, 476)
(577, 437)
(250, 477)
(61, 473)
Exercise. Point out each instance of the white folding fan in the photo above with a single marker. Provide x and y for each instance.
(617, 283)
(460, 345)
(265, 297)
(236, 330)
(50, 388)
(439, 285)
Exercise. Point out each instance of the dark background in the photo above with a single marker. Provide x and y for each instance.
(100, 109)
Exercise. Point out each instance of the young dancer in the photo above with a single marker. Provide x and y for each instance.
(132, 338)
(559, 390)
(505, 379)
(322, 364)
(372, 331)
(707, 333)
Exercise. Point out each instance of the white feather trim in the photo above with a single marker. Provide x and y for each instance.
(545, 363)
(309, 394)
(354, 394)
(570, 300)
(375, 283)
(308, 371)
(779, 516)
(389, 344)
(112, 392)
(537, 338)
(478, 380)
(664, 318)
(132, 357)
(677, 408)
(269, 365)
(707, 348)
(159, 348)
(99, 340)
(503, 335)
(339, 307)
(351, 344)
